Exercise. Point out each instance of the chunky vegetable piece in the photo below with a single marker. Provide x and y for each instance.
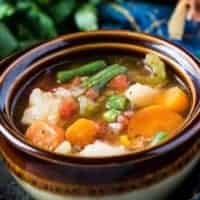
(141, 95)
(175, 99)
(82, 132)
(117, 102)
(92, 94)
(87, 106)
(64, 148)
(111, 115)
(68, 108)
(125, 141)
(152, 119)
(85, 70)
(119, 83)
(102, 149)
(123, 120)
(157, 66)
(45, 136)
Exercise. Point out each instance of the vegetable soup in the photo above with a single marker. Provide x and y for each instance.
(103, 106)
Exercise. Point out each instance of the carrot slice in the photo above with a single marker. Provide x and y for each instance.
(45, 136)
(82, 132)
(175, 99)
(150, 120)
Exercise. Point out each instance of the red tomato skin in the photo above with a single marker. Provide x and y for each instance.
(103, 128)
(120, 82)
(92, 94)
(73, 83)
(68, 108)
(123, 120)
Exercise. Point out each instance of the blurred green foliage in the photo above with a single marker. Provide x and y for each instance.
(26, 22)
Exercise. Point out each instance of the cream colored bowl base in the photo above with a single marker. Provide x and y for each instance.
(155, 192)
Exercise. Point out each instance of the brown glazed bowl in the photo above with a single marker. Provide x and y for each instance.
(149, 175)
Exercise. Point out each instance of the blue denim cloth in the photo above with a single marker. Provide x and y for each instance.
(151, 18)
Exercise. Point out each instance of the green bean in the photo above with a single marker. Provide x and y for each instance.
(103, 77)
(84, 70)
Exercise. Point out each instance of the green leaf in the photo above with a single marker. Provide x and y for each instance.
(8, 42)
(44, 2)
(37, 20)
(95, 2)
(86, 18)
(27, 43)
(61, 10)
(6, 10)
(23, 32)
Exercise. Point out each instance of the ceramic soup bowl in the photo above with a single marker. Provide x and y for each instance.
(152, 174)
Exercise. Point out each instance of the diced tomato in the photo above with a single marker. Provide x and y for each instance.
(103, 128)
(45, 136)
(92, 94)
(68, 108)
(73, 83)
(123, 120)
(76, 81)
(128, 114)
(120, 82)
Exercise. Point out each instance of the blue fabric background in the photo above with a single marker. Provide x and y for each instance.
(151, 18)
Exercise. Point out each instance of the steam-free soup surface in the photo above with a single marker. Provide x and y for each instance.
(103, 106)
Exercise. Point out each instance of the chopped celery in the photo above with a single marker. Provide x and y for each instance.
(157, 67)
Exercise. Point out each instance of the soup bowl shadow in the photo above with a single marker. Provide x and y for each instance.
(151, 174)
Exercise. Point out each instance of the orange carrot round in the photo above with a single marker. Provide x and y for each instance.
(150, 120)
(82, 132)
(175, 99)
